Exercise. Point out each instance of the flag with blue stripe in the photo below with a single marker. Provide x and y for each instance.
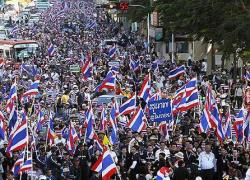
(247, 76)
(176, 72)
(108, 165)
(112, 52)
(138, 121)
(51, 50)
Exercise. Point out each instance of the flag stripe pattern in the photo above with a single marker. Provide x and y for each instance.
(176, 72)
(137, 122)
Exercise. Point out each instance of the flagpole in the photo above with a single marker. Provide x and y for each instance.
(46, 141)
(31, 154)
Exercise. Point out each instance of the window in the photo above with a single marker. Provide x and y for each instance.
(7, 54)
(182, 47)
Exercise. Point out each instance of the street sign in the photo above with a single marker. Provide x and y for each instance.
(160, 110)
(74, 68)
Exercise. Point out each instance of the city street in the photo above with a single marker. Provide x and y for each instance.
(102, 90)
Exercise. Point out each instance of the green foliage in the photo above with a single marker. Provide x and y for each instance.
(138, 13)
(225, 22)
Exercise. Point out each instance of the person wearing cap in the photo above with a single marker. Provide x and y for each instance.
(207, 163)
(178, 157)
(153, 141)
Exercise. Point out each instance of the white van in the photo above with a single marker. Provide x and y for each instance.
(106, 99)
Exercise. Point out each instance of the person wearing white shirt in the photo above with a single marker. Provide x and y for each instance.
(248, 174)
(60, 139)
(207, 163)
(162, 149)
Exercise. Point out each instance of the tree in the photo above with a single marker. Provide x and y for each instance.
(224, 22)
(138, 14)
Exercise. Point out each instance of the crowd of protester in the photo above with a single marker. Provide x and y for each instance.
(183, 151)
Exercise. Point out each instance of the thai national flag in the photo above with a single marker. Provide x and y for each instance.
(51, 50)
(86, 69)
(72, 139)
(138, 121)
(112, 52)
(31, 70)
(92, 24)
(105, 165)
(27, 165)
(40, 122)
(238, 125)
(204, 121)
(155, 68)
(2, 126)
(128, 106)
(108, 165)
(89, 115)
(19, 162)
(13, 118)
(12, 96)
(176, 72)
(33, 89)
(108, 83)
(90, 132)
(51, 135)
(179, 94)
(145, 89)
(163, 174)
(228, 125)
(19, 138)
(246, 126)
(113, 135)
(190, 97)
(103, 124)
(215, 119)
(97, 166)
(134, 65)
(247, 76)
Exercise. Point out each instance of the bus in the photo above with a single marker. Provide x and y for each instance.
(12, 49)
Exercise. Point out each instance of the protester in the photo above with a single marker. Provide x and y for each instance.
(94, 122)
